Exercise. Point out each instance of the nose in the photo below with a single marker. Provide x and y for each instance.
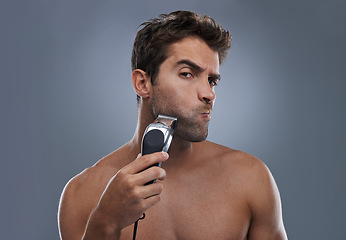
(206, 92)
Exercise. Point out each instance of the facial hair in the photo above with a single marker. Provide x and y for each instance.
(190, 125)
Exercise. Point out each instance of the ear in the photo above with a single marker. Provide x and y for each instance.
(141, 83)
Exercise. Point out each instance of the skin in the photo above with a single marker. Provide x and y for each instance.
(203, 191)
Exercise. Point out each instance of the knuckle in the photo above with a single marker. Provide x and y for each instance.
(159, 187)
(142, 205)
(129, 184)
(156, 171)
(134, 193)
(121, 174)
(146, 159)
(133, 197)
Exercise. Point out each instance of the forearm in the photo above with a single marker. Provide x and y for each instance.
(97, 228)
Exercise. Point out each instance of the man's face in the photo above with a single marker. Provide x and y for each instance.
(185, 87)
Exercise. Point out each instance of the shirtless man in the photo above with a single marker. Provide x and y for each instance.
(203, 190)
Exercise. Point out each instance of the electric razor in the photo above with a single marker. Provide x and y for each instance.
(158, 136)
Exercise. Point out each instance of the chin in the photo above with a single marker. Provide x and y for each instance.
(192, 135)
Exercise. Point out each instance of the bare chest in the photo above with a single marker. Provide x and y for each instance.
(194, 211)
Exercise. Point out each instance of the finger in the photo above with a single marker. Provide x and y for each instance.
(149, 202)
(143, 162)
(145, 192)
(148, 175)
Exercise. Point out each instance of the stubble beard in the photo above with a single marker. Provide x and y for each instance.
(192, 131)
(188, 128)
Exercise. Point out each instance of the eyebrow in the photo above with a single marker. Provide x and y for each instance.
(197, 68)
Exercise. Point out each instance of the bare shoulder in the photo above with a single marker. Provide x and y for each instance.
(233, 166)
(245, 166)
(81, 195)
(244, 163)
(257, 184)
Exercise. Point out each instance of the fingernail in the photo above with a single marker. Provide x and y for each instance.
(165, 154)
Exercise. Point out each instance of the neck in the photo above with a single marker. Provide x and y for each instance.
(143, 120)
(179, 151)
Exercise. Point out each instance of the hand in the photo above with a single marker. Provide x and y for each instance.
(126, 196)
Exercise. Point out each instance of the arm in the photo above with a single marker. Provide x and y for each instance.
(88, 211)
(265, 206)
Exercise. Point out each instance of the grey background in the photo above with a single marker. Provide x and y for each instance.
(67, 100)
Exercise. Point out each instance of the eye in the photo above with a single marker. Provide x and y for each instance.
(213, 82)
(186, 75)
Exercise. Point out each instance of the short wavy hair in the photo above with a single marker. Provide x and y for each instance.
(156, 35)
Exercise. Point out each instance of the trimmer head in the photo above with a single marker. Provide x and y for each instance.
(158, 136)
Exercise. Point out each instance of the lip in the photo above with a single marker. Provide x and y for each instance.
(206, 114)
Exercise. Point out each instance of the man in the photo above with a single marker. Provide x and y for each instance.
(203, 190)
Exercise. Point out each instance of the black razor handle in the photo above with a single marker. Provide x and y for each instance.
(153, 141)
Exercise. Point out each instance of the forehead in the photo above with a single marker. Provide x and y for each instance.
(195, 50)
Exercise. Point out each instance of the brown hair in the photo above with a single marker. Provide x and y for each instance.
(156, 35)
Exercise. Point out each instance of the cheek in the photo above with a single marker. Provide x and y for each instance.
(181, 101)
(173, 95)
(171, 102)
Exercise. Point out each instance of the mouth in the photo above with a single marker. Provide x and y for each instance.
(206, 114)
